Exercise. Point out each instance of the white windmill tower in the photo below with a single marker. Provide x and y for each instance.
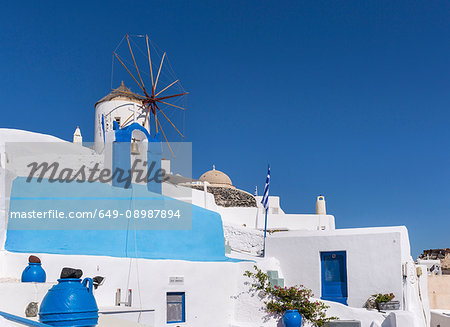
(158, 102)
(122, 106)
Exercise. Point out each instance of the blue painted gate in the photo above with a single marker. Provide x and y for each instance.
(334, 276)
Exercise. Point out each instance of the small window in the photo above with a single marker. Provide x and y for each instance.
(175, 307)
(117, 119)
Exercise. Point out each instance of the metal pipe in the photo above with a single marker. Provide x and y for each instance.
(128, 303)
(118, 297)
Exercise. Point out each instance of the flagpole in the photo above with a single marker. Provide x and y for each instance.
(265, 203)
(265, 232)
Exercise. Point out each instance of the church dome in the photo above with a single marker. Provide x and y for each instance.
(216, 178)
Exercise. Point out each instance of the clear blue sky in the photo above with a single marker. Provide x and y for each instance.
(348, 99)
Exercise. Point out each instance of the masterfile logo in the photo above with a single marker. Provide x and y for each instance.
(69, 186)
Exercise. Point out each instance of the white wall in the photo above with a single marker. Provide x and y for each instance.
(254, 218)
(26, 142)
(374, 259)
(209, 286)
(244, 239)
(204, 200)
(440, 318)
(273, 202)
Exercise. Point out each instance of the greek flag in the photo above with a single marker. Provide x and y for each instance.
(265, 198)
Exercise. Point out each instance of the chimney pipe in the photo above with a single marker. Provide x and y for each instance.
(321, 208)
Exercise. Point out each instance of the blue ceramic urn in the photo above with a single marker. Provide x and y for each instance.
(33, 273)
(292, 318)
(69, 303)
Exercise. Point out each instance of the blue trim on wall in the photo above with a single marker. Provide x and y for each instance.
(203, 240)
(125, 134)
(122, 149)
(103, 128)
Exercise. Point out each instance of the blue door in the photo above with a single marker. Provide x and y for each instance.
(334, 276)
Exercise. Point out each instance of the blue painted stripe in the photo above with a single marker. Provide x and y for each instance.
(22, 321)
(199, 239)
(90, 198)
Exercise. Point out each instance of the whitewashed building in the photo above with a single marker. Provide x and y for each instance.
(193, 276)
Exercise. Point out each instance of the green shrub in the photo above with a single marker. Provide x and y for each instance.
(379, 298)
(280, 299)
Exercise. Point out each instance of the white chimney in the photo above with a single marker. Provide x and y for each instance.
(321, 208)
(77, 138)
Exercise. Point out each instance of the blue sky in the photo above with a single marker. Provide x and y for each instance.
(348, 99)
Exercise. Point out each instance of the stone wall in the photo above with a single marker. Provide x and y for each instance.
(229, 197)
(439, 254)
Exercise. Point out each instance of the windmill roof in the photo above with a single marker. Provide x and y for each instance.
(122, 92)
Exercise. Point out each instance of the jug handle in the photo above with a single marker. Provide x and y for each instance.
(86, 281)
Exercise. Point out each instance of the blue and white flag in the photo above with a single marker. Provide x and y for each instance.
(265, 198)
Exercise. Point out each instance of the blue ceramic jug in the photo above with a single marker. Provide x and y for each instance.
(292, 318)
(33, 273)
(70, 303)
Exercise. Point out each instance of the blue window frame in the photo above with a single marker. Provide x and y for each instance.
(176, 307)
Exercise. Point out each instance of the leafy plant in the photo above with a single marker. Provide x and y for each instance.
(280, 299)
(379, 298)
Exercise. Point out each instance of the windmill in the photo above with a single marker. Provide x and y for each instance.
(157, 88)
